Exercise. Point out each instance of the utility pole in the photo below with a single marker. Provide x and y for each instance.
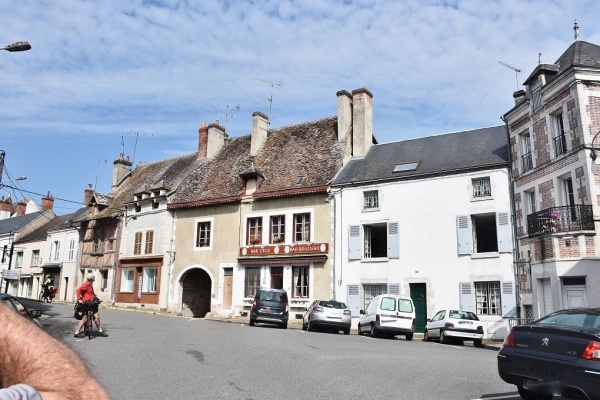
(2, 154)
(10, 256)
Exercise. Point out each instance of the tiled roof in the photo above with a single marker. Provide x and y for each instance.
(436, 155)
(309, 150)
(16, 224)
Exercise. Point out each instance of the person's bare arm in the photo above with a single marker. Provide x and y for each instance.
(27, 352)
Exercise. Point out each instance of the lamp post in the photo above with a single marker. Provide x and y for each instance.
(17, 46)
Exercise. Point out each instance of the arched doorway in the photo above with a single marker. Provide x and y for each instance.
(195, 297)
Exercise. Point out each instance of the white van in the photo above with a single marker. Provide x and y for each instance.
(388, 315)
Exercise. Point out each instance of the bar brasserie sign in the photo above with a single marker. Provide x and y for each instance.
(274, 250)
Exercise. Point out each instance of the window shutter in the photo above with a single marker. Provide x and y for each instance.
(504, 234)
(393, 240)
(149, 242)
(394, 288)
(354, 242)
(353, 299)
(463, 234)
(467, 296)
(137, 245)
(507, 297)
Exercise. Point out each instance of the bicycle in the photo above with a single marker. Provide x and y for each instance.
(45, 297)
(89, 324)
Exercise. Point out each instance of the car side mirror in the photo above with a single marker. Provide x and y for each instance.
(428, 319)
(35, 313)
(362, 312)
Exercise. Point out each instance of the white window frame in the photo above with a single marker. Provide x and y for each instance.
(211, 222)
(481, 188)
(127, 279)
(371, 200)
(149, 279)
(71, 249)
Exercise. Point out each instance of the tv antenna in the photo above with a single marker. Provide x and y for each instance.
(100, 161)
(227, 113)
(270, 99)
(517, 71)
(137, 135)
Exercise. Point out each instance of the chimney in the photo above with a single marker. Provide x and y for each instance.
(21, 207)
(121, 168)
(344, 122)
(47, 202)
(362, 121)
(6, 205)
(260, 125)
(518, 96)
(210, 139)
(88, 194)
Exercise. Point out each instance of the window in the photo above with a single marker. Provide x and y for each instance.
(371, 199)
(485, 237)
(278, 229)
(380, 240)
(55, 252)
(19, 260)
(300, 281)
(302, 227)
(406, 167)
(372, 291)
(203, 234)
(251, 281)
(536, 96)
(276, 277)
(254, 231)
(149, 280)
(155, 204)
(71, 249)
(531, 202)
(569, 197)
(481, 187)
(375, 240)
(149, 242)
(137, 243)
(98, 241)
(127, 280)
(526, 148)
(103, 280)
(35, 258)
(488, 298)
(560, 139)
(138, 207)
(484, 233)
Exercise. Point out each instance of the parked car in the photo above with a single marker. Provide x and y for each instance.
(388, 315)
(327, 314)
(15, 304)
(454, 324)
(270, 306)
(557, 355)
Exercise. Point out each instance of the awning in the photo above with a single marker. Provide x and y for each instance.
(52, 265)
(282, 260)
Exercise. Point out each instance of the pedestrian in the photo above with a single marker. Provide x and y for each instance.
(87, 298)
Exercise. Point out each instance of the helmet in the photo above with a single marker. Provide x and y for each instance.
(91, 277)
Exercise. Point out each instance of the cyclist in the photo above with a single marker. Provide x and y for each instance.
(46, 285)
(86, 297)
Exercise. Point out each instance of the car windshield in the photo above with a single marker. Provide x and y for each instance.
(333, 304)
(456, 314)
(577, 319)
(272, 296)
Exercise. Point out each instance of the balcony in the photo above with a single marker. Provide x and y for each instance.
(561, 219)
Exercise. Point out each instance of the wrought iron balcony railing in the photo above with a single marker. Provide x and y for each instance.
(561, 219)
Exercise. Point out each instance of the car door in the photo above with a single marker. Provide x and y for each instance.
(436, 323)
(306, 316)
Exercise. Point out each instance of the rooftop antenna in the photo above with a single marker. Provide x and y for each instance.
(576, 29)
(517, 71)
(270, 99)
(227, 107)
(137, 135)
(100, 160)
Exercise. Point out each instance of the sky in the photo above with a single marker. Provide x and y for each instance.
(138, 77)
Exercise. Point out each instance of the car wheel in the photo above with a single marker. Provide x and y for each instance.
(409, 336)
(426, 337)
(443, 338)
(373, 331)
(283, 326)
(347, 331)
(528, 395)
(303, 326)
(360, 332)
(309, 326)
(477, 343)
(251, 323)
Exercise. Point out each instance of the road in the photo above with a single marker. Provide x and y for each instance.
(155, 356)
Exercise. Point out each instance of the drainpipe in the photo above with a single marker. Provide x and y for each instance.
(517, 272)
(171, 257)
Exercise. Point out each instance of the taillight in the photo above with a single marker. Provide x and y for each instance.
(254, 304)
(347, 312)
(318, 309)
(449, 325)
(509, 340)
(23, 313)
(480, 329)
(287, 307)
(377, 318)
(592, 351)
(414, 323)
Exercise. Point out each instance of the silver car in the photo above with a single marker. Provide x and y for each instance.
(454, 324)
(327, 315)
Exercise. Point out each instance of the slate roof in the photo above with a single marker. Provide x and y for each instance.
(450, 153)
(16, 224)
(308, 149)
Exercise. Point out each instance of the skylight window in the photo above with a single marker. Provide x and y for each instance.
(406, 167)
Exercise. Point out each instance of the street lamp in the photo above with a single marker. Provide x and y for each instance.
(17, 46)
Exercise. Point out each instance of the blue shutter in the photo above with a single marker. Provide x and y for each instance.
(504, 233)
(353, 299)
(354, 242)
(507, 297)
(467, 296)
(463, 234)
(393, 240)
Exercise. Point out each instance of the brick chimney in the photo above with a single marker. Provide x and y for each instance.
(210, 139)
(344, 122)
(260, 125)
(47, 202)
(21, 207)
(87, 194)
(518, 96)
(362, 121)
(121, 168)
(6, 205)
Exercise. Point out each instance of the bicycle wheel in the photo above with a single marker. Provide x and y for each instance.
(89, 324)
(41, 296)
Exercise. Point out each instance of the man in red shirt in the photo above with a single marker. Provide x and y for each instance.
(86, 297)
